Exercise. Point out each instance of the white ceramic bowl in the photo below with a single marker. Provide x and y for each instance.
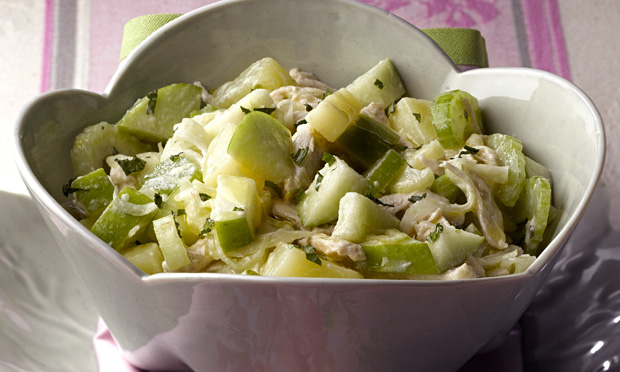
(225, 322)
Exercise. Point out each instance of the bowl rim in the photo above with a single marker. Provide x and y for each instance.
(47, 202)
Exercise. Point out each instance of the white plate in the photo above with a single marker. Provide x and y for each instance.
(47, 321)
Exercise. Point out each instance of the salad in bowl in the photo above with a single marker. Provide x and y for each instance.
(277, 173)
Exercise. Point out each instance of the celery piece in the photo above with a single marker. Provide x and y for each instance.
(125, 218)
(456, 116)
(533, 205)
(167, 174)
(381, 84)
(319, 203)
(358, 216)
(259, 133)
(451, 246)
(397, 253)
(153, 117)
(96, 142)
(385, 169)
(412, 118)
(446, 188)
(366, 140)
(265, 73)
(290, 261)
(93, 191)
(172, 246)
(236, 211)
(334, 114)
(146, 257)
(509, 152)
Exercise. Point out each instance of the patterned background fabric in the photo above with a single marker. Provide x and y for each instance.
(54, 44)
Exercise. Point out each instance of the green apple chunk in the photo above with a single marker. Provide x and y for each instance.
(367, 140)
(97, 142)
(396, 253)
(358, 216)
(146, 257)
(450, 246)
(93, 191)
(125, 218)
(290, 261)
(236, 211)
(167, 174)
(381, 84)
(263, 144)
(153, 117)
(172, 246)
(319, 203)
(265, 73)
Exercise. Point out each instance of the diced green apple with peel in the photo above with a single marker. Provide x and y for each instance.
(93, 191)
(125, 218)
(222, 189)
(153, 117)
(260, 133)
(236, 212)
(358, 216)
(289, 260)
(319, 203)
(395, 252)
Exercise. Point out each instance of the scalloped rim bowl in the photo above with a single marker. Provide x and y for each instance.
(227, 322)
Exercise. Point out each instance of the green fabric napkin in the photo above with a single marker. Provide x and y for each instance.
(465, 46)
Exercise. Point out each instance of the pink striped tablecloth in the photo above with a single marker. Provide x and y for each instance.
(76, 44)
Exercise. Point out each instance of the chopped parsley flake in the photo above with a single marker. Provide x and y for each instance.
(376, 200)
(266, 110)
(327, 93)
(468, 150)
(235, 209)
(301, 122)
(416, 198)
(158, 200)
(204, 197)
(308, 107)
(311, 254)
(132, 165)
(300, 155)
(379, 84)
(319, 178)
(176, 157)
(418, 117)
(435, 234)
(181, 212)
(209, 223)
(67, 189)
(245, 111)
(150, 106)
